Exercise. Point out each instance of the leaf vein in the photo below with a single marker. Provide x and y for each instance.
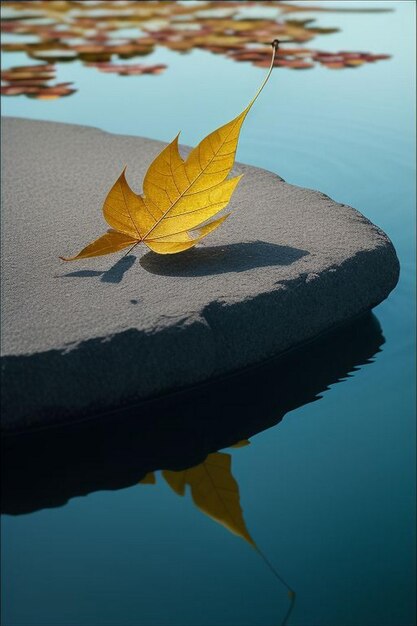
(212, 204)
(127, 206)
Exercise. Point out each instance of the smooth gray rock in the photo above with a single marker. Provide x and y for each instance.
(87, 337)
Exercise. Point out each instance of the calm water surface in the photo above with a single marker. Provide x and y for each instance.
(329, 493)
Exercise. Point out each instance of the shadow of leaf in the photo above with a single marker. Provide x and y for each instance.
(116, 272)
(234, 257)
(113, 275)
(83, 274)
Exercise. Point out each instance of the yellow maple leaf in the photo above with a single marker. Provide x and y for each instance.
(179, 196)
(214, 491)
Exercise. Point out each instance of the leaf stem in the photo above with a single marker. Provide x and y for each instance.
(275, 46)
(291, 592)
(242, 115)
(130, 249)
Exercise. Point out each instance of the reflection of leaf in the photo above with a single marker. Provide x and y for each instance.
(241, 444)
(149, 479)
(179, 197)
(214, 491)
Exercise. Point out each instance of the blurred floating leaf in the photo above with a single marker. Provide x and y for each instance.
(31, 69)
(294, 64)
(127, 69)
(214, 491)
(9, 15)
(54, 92)
(124, 49)
(377, 57)
(354, 62)
(29, 72)
(219, 41)
(346, 59)
(14, 47)
(12, 90)
(32, 81)
(55, 54)
(39, 93)
(335, 65)
(304, 58)
(295, 8)
(219, 13)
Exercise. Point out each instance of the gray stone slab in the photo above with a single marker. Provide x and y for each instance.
(87, 337)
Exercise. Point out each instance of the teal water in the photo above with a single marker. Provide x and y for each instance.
(329, 493)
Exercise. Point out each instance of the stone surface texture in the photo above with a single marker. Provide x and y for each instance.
(86, 337)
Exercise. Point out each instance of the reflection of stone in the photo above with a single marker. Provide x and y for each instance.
(47, 467)
(289, 264)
